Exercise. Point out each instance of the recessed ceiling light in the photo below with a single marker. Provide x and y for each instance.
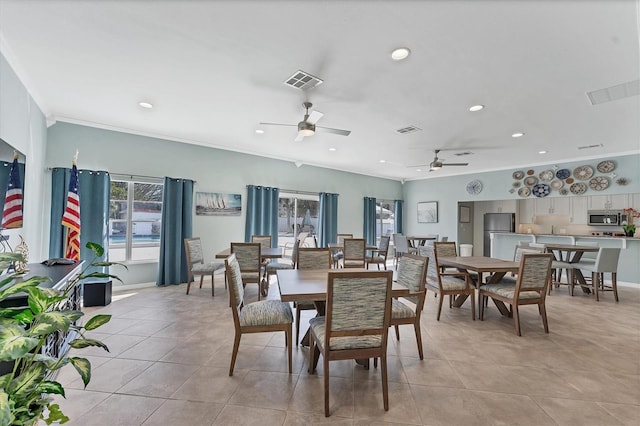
(517, 135)
(383, 161)
(259, 131)
(542, 152)
(146, 105)
(476, 108)
(332, 149)
(400, 53)
(418, 170)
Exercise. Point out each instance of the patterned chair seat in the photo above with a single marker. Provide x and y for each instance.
(251, 276)
(339, 343)
(400, 310)
(508, 290)
(278, 266)
(450, 283)
(377, 259)
(266, 312)
(206, 267)
(353, 263)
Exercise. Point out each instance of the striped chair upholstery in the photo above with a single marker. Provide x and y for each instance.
(534, 277)
(379, 256)
(256, 317)
(338, 254)
(248, 257)
(356, 323)
(446, 282)
(196, 264)
(354, 253)
(412, 272)
(310, 258)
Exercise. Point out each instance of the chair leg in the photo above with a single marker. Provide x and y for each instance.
(614, 284)
(212, 284)
(416, 327)
(441, 299)
(397, 332)
(516, 318)
(473, 305)
(595, 283)
(543, 312)
(312, 351)
(288, 335)
(201, 279)
(325, 362)
(234, 354)
(481, 303)
(385, 384)
(450, 301)
(297, 324)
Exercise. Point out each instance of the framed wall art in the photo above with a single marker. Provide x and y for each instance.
(465, 214)
(218, 204)
(428, 212)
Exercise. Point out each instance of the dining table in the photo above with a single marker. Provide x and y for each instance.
(305, 285)
(481, 265)
(572, 254)
(416, 241)
(265, 253)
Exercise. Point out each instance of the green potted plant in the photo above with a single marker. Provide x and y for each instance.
(629, 225)
(26, 391)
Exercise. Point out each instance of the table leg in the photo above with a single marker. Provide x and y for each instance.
(579, 278)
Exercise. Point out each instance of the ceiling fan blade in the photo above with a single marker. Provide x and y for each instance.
(278, 124)
(336, 131)
(418, 165)
(455, 164)
(314, 117)
(299, 138)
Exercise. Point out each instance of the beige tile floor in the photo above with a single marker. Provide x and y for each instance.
(170, 355)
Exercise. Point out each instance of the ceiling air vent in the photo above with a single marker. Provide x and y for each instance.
(303, 80)
(598, 145)
(408, 129)
(614, 93)
(461, 154)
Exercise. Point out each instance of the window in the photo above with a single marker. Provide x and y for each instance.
(385, 219)
(135, 216)
(297, 213)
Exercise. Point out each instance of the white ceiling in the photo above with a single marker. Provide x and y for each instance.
(215, 69)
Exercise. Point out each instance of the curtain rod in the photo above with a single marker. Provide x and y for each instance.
(291, 191)
(127, 175)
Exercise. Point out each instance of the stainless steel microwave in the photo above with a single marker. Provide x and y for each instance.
(606, 217)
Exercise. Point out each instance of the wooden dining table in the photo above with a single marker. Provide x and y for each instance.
(304, 285)
(265, 253)
(417, 241)
(481, 265)
(572, 254)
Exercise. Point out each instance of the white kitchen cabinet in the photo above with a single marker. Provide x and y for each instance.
(579, 207)
(635, 201)
(608, 202)
(502, 206)
(526, 210)
(553, 206)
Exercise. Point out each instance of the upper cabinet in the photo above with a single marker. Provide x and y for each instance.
(553, 206)
(579, 207)
(609, 202)
(502, 206)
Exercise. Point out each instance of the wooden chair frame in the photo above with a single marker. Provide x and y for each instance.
(250, 266)
(307, 254)
(354, 250)
(200, 259)
(379, 256)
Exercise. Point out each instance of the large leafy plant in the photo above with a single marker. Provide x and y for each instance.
(26, 392)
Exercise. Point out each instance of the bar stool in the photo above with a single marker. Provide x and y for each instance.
(606, 262)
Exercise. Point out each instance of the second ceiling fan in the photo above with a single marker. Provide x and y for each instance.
(437, 164)
(307, 127)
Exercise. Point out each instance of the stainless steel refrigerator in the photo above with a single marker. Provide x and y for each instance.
(497, 222)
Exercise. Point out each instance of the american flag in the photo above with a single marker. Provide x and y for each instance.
(71, 216)
(12, 213)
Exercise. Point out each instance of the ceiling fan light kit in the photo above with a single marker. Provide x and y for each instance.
(307, 127)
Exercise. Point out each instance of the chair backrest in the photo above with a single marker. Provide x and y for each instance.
(364, 323)
(534, 274)
(354, 248)
(520, 250)
(607, 259)
(341, 237)
(433, 276)
(193, 249)
(445, 249)
(444, 239)
(412, 273)
(384, 244)
(537, 245)
(236, 289)
(264, 240)
(314, 258)
(247, 255)
(302, 236)
(401, 243)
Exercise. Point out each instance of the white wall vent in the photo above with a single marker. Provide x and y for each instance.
(614, 93)
(408, 129)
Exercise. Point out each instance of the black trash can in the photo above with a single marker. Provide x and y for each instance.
(96, 293)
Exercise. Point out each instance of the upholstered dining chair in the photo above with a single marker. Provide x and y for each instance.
(534, 276)
(412, 273)
(256, 317)
(379, 256)
(196, 264)
(447, 283)
(353, 330)
(401, 245)
(606, 262)
(339, 254)
(354, 253)
(249, 259)
(310, 258)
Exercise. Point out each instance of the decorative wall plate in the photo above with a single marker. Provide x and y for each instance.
(518, 175)
(583, 172)
(564, 191)
(474, 187)
(524, 191)
(516, 184)
(541, 190)
(530, 172)
(578, 188)
(569, 180)
(606, 166)
(546, 176)
(622, 181)
(563, 173)
(556, 184)
(531, 180)
(599, 183)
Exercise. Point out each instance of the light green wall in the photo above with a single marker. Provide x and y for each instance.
(447, 191)
(23, 125)
(213, 170)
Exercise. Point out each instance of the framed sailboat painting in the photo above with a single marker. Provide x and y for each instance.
(218, 204)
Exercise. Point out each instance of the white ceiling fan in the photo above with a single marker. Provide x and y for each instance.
(437, 164)
(307, 127)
